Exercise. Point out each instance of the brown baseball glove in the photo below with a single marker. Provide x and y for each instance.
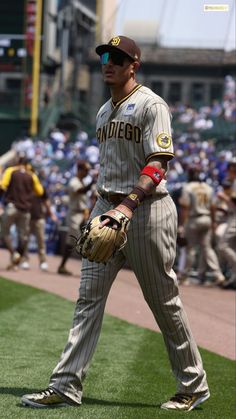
(100, 244)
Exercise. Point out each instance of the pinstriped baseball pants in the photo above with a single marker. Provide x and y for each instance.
(150, 252)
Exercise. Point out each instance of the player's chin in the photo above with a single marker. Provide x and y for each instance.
(109, 80)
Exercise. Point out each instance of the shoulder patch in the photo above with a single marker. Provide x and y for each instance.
(164, 140)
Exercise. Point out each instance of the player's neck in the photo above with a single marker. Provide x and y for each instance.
(120, 92)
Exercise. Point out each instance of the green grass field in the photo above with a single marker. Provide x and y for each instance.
(129, 376)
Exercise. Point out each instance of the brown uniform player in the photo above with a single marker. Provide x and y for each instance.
(18, 186)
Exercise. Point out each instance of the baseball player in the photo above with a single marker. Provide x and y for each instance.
(197, 219)
(78, 210)
(134, 135)
(40, 209)
(18, 186)
(227, 243)
(221, 210)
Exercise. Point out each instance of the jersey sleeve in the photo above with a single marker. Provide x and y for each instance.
(157, 138)
(74, 185)
(184, 199)
(6, 178)
(38, 188)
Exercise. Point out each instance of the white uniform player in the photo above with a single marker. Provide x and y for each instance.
(134, 134)
(78, 211)
(196, 202)
(227, 244)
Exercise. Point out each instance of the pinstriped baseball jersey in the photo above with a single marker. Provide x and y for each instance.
(137, 127)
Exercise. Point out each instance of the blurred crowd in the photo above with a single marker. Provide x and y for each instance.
(56, 157)
(203, 117)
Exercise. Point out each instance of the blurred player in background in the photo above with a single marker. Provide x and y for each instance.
(227, 243)
(78, 210)
(17, 187)
(40, 209)
(197, 220)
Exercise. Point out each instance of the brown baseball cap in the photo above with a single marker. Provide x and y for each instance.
(121, 43)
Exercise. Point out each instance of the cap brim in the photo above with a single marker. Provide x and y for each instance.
(106, 48)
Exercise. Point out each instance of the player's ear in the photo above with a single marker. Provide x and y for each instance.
(135, 67)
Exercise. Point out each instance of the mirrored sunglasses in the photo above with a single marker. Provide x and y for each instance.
(116, 57)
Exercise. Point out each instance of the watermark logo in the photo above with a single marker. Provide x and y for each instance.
(216, 7)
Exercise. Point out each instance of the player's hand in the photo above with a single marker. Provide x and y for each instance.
(122, 208)
(98, 242)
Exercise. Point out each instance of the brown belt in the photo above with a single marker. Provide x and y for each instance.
(113, 198)
(117, 198)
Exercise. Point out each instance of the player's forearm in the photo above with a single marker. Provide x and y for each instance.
(145, 186)
(146, 182)
(183, 215)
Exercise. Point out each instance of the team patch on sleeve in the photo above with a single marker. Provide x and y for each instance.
(164, 140)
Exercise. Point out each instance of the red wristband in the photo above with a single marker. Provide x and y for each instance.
(154, 173)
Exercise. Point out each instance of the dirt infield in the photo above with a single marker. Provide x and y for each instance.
(211, 311)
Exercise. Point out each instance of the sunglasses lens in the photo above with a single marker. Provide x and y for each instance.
(104, 58)
(116, 57)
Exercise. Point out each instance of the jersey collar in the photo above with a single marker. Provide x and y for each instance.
(115, 105)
